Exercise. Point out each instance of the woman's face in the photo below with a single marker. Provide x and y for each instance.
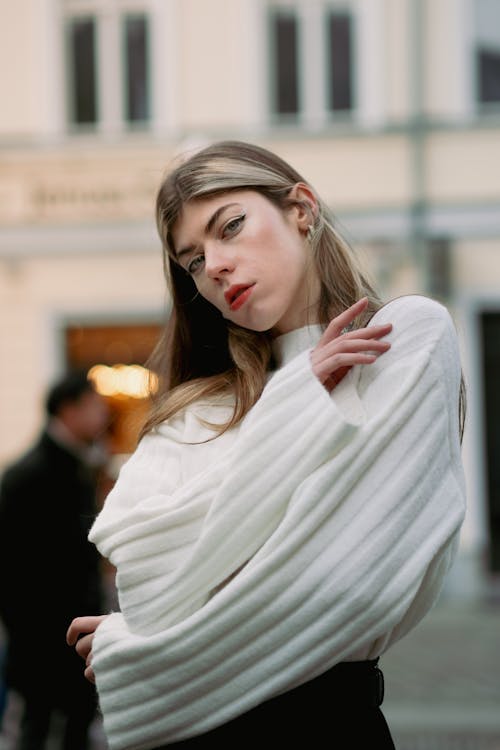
(250, 259)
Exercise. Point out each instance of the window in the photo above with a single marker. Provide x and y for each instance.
(136, 69)
(340, 62)
(108, 63)
(285, 67)
(312, 59)
(82, 71)
(490, 340)
(487, 51)
(489, 76)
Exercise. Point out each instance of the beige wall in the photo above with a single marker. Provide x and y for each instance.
(398, 40)
(463, 166)
(477, 267)
(22, 85)
(214, 91)
(352, 172)
(446, 50)
(82, 181)
(89, 181)
(94, 182)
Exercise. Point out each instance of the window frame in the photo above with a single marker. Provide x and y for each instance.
(111, 65)
(329, 11)
(468, 106)
(481, 107)
(367, 74)
(274, 11)
(129, 122)
(70, 100)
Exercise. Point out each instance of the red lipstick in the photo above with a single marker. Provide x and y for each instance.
(237, 295)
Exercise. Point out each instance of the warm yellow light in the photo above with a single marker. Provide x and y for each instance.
(123, 380)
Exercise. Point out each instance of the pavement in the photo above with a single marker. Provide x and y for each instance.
(443, 680)
(442, 683)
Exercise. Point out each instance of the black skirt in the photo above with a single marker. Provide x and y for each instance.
(339, 710)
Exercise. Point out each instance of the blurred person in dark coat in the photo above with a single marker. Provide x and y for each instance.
(3, 687)
(49, 571)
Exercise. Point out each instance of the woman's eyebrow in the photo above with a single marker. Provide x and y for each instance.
(215, 216)
(208, 227)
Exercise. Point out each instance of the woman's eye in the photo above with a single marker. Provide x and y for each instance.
(233, 226)
(195, 264)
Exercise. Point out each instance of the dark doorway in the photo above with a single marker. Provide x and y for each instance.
(490, 330)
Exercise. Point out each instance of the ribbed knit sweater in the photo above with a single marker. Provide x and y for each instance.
(318, 530)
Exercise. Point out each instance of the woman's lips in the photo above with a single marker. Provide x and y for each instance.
(237, 295)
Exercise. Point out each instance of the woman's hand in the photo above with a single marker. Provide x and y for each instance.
(336, 352)
(81, 635)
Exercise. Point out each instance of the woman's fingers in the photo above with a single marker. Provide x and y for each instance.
(345, 353)
(371, 332)
(89, 674)
(328, 369)
(82, 625)
(83, 646)
(337, 325)
(337, 351)
(80, 634)
(343, 345)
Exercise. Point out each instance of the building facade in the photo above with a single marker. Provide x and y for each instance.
(390, 108)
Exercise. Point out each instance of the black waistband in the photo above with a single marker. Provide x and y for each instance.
(356, 684)
(353, 688)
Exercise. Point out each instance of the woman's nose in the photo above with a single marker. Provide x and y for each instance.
(217, 262)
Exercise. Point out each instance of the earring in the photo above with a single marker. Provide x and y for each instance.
(310, 232)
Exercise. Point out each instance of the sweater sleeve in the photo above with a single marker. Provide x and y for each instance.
(375, 499)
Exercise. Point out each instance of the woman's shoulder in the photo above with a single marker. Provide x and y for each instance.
(414, 309)
(422, 329)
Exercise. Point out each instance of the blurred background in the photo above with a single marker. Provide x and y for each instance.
(390, 108)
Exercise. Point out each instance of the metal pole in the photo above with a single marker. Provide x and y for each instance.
(416, 134)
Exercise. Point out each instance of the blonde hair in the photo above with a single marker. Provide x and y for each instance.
(200, 353)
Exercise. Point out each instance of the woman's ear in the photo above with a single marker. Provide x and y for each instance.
(305, 205)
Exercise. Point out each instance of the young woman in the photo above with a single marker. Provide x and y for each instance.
(295, 500)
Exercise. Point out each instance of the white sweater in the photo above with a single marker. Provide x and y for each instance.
(318, 530)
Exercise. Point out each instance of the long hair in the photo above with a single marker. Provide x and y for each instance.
(200, 354)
